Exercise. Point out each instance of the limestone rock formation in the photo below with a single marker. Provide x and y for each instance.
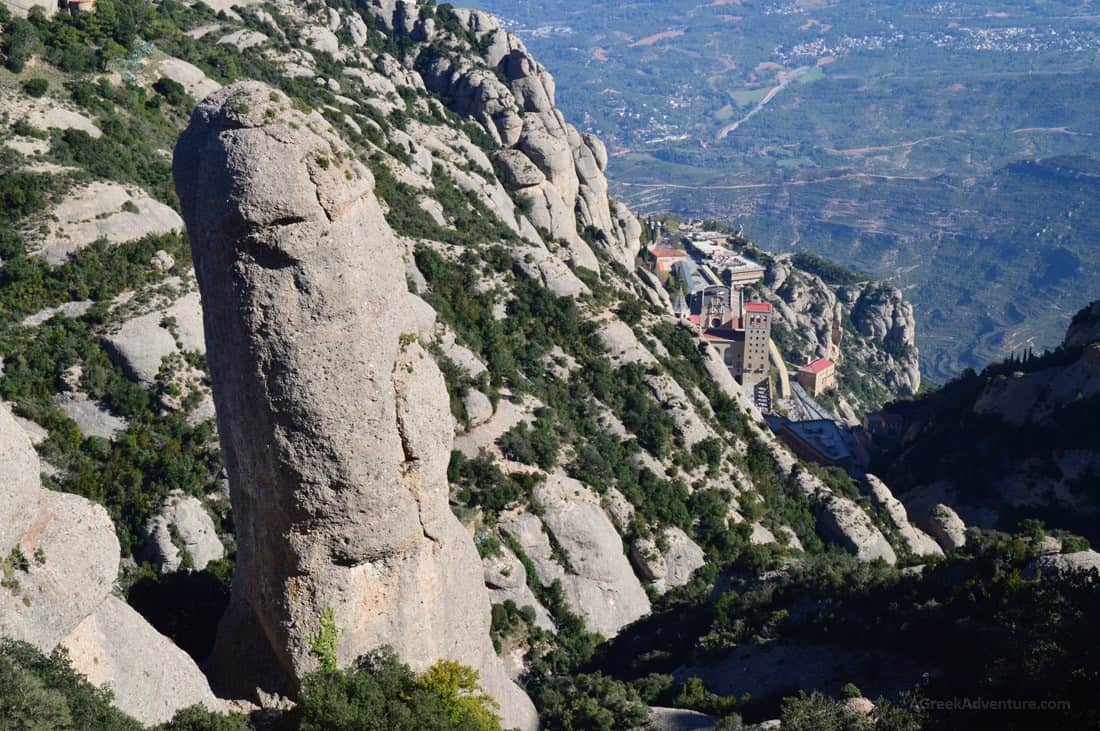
(479, 409)
(142, 343)
(506, 579)
(60, 591)
(1063, 564)
(594, 572)
(182, 532)
(945, 525)
(883, 346)
(150, 677)
(678, 719)
(335, 430)
(1085, 327)
(668, 563)
(843, 521)
(556, 171)
(598, 581)
(68, 546)
(103, 211)
(919, 542)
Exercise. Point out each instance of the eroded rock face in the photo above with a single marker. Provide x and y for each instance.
(150, 677)
(667, 564)
(598, 581)
(945, 525)
(1063, 564)
(182, 533)
(61, 592)
(335, 430)
(919, 542)
(68, 545)
(841, 520)
(557, 171)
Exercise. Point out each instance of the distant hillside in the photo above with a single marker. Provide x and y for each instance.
(902, 139)
(1019, 440)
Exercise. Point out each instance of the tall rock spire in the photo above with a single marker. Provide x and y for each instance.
(335, 429)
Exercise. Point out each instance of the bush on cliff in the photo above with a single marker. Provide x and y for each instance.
(383, 693)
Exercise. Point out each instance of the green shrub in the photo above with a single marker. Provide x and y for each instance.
(589, 702)
(20, 41)
(40, 693)
(173, 92)
(382, 694)
(36, 87)
(533, 445)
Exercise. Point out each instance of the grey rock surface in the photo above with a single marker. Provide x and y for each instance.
(184, 521)
(678, 719)
(103, 211)
(599, 583)
(69, 309)
(683, 557)
(919, 542)
(946, 527)
(506, 579)
(68, 543)
(92, 417)
(1064, 564)
(140, 345)
(150, 678)
(336, 435)
(479, 409)
(842, 521)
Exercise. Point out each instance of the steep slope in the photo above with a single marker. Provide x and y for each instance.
(605, 464)
(1019, 440)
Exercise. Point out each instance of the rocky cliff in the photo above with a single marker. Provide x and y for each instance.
(61, 559)
(866, 326)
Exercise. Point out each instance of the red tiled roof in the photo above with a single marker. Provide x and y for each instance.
(757, 307)
(668, 253)
(817, 366)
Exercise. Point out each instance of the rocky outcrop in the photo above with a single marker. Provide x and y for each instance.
(1013, 441)
(335, 431)
(1085, 327)
(553, 170)
(599, 583)
(668, 562)
(59, 552)
(149, 676)
(479, 409)
(588, 558)
(919, 542)
(945, 525)
(678, 719)
(506, 579)
(842, 521)
(103, 211)
(882, 345)
(141, 344)
(60, 563)
(1067, 564)
(1036, 397)
(182, 534)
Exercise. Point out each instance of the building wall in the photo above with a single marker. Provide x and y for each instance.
(817, 383)
(755, 361)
